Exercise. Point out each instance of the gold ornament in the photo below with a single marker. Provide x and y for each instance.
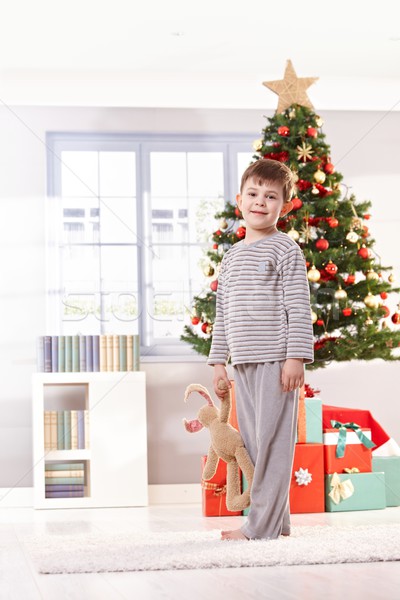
(369, 321)
(340, 294)
(313, 274)
(314, 316)
(294, 234)
(291, 89)
(292, 113)
(319, 121)
(319, 176)
(357, 223)
(223, 224)
(391, 278)
(372, 276)
(304, 152)
(314, 190)
(295, 176)
(257, 145)
(371, 301)
(208, 271)
(209, 329)
(352, 237)
(384, 325)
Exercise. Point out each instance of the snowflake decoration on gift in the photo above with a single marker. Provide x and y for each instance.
(303, 477)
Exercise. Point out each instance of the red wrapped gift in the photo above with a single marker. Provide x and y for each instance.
(214, 493)
(356, 455)
(307, 486)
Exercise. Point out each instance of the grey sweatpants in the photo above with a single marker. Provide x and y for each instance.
(267, 419)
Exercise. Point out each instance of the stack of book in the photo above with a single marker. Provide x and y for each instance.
(66, 429)
(64, 480)
(88, 353)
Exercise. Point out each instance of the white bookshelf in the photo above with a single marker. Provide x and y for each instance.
(116, 460)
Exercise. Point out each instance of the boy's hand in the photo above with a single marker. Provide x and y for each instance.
(220, 373)
(292, 374)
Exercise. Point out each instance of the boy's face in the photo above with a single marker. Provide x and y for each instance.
(261, 206)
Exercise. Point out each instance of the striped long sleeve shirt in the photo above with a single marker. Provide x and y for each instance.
(263, 309)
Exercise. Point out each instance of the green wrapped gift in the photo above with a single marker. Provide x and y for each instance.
(354, 491)
(309, 422)
(390, 465)
(245, 485)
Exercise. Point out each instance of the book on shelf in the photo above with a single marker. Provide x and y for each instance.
(66, 430)
(64, 479)
(88, 353)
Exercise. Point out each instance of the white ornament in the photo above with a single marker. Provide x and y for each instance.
(303, 477)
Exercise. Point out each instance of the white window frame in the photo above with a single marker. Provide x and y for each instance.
(142, 144)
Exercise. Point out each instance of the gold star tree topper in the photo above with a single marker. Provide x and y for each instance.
(291, 89)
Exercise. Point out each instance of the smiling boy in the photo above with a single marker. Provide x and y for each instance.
(263, 323)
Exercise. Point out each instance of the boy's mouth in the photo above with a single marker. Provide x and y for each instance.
(258, 212)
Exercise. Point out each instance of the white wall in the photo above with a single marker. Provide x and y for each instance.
(364, 148)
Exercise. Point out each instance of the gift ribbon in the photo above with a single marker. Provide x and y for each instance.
(352, 470)
(301, 419)
(341, 490)
(343, 427)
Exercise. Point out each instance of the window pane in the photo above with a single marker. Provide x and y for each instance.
(80, 221)
(117, 173)
(79, 173)
(244, 159)
(168, 174)
(118, 220)
(205, 174)
(201, 221)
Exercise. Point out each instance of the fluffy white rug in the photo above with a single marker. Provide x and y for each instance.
(94, 553)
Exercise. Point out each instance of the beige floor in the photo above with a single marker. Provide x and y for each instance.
(20, 581)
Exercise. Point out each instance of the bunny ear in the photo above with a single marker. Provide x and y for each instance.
(192, 426)
(196, 387)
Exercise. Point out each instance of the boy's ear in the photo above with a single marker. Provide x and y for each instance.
(286, 208)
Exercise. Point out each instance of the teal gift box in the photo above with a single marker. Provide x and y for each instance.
(309, 429)
(390, 465)
(368, 491)
(245, 485)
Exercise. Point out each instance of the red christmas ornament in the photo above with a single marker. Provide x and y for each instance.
(332, 222)
(281, 224)
(307, 263)
(215, 246)
(303, 185)
(386, 311)
(383, 295)
(329, 168)
(214, 285)
(331, 268)
(218, 232)
(297, 203)
(312, 132)
(283, 130)
(320, 322)
(322, 244)
(322, 191)
(237, 212)
(396, 318)
(365, 232)
(350, 279)
(240, 232)
(195, 320)
(276, 144)
(204, 327)
(366, 217)
(363, 252)
(347, 312)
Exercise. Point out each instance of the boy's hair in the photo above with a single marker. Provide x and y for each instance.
(266, 169)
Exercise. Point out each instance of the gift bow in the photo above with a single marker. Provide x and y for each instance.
(341, 490)
(218, 488)
(352, 470)
(343, 427)
(303, 477)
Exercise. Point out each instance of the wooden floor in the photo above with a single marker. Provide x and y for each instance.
(20, 581)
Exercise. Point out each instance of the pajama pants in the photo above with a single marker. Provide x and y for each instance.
(267, 419)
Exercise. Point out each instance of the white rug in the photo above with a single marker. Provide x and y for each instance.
(95, 553)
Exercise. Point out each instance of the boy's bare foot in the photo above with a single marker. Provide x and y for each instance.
(236, 534)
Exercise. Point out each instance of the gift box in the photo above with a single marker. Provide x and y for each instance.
(309, 421)
(214, 492)
(307, 483)
(354, 491)
(390, 465)
(345, 448)
(245, 485)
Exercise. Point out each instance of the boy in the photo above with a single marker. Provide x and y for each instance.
(263, 322)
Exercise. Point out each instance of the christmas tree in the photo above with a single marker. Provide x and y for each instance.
(350, 289)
